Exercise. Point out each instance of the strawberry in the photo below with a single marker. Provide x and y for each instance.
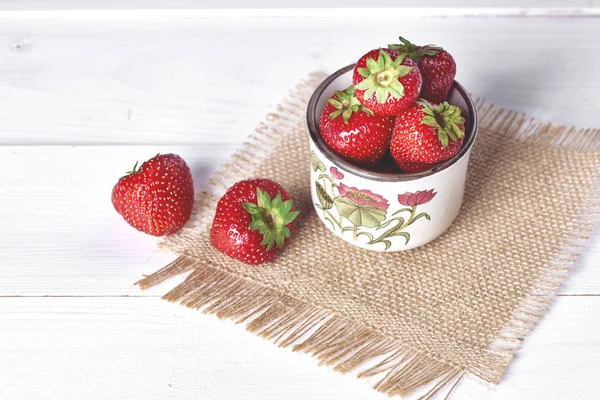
(157, 198)
(353, 131)
(251, 217)
(386, 81)
(437, 67)
(426, 134)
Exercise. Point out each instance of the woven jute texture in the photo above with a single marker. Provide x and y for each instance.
(412, 321)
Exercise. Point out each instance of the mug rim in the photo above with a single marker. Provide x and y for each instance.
(313, 129)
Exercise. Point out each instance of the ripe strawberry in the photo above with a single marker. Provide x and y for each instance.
(386, 81)
(157, 198)
(436, 65)
(352, 131)
(426, 134)
(251, 217)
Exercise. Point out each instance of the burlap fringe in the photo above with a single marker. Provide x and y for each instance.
(333, 340)
(289, 323)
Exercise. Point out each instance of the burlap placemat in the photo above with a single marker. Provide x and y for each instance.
(417, 319)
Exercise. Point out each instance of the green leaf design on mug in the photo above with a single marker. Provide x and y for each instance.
(317, 165)
(324, 198)
(412, 201)
(359, 214)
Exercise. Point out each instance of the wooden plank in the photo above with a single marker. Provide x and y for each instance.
(142, 78)
(128, 348)
(98, 81)
(270, 4)
(68, 240)
(145, 348)
(441, 10)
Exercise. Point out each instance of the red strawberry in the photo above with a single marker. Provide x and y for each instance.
(251, 217)
(436, 65)
(157, 198)
(426, 134)
(352, 131)
(386, 81)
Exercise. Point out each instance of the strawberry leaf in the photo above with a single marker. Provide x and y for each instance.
(270, 217)
(413, 51)
(372, 64)
(279, 240)
(382, 95)
(346, 104)
(335, 114)
(395, 93)
(346, 115)
(335, 103)
(383, 60)
(446, 118)
(457, 131)
(290, 216)
(442, 136)
(370, 92)
(277, 202)
(382, 77)
(264, 201)
(365, 109)
(429, 120)
(404, 70)
(363, 85)
(251, 207)
(451, 135)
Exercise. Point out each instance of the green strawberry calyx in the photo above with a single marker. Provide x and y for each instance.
(445, 118)
(270, 217)
(346, 104)
(136, 168)
(133, 171)
(381, 77)
(415, 52)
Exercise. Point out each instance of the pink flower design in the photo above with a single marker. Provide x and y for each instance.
(335, 173)
(417, 198)
(363, 197)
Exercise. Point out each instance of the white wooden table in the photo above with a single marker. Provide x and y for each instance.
(86, 93)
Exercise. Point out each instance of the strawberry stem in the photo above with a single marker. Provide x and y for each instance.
(445, 118)
(134, 169)
(413, 51)
(270, 218)
(381, 77)
(346, 104)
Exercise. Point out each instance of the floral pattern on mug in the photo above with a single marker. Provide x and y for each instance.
(417, 198)
(361, 209)
(335, 173)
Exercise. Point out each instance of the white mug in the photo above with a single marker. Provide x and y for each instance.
(385, 211)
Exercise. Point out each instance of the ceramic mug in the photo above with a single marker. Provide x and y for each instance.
(385, 211)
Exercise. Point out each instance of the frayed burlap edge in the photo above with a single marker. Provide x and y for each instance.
(335, 341)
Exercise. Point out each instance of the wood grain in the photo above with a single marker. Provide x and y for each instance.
(145, 348)
(68, 240)
(85, 93)
(188, 80)
(35, 5)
